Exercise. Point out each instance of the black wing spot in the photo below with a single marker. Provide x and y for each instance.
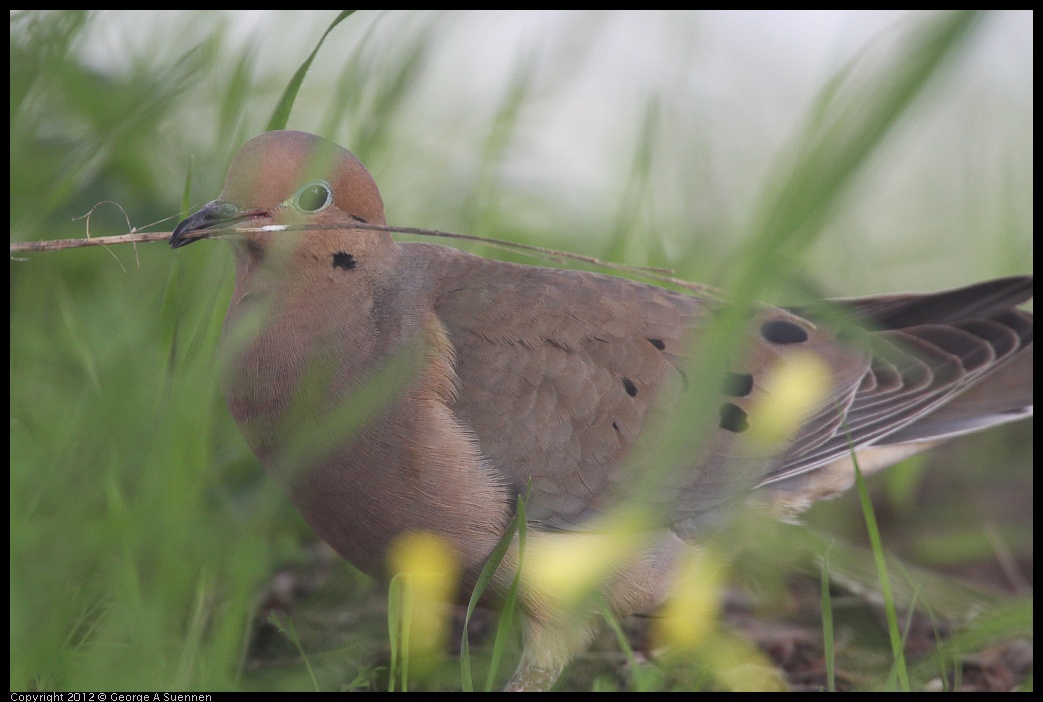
(344, 260)
(738, 384)
(733, 419)
(779, 331)
(630, 387)
(658, 343)
(684, 380)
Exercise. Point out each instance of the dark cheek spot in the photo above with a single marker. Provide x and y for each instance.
(343, 260)
(358, 219)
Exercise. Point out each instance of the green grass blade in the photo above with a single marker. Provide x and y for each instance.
(506, 622)
(851, 120)
(827, 624)
(394, 621)
(491, 565)
(281, 114)
(287, 628)
(877, 546)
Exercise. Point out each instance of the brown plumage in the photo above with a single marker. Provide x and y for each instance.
(514, 376)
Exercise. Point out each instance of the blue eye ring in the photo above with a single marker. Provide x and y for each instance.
(313, 197)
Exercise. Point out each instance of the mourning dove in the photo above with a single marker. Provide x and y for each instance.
(541, 381)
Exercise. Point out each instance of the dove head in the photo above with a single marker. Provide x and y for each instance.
(288, 179)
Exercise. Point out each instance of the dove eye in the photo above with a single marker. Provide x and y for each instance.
(313, 197)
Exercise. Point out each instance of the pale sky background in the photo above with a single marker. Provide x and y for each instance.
(733, 87)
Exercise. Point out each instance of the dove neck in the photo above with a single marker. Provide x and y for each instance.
(318, 311)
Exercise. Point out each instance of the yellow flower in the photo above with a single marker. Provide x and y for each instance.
(792, 390)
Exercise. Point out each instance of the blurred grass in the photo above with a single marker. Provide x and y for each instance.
(143, 534)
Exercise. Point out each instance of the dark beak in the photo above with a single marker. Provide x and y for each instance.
(212, 217)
